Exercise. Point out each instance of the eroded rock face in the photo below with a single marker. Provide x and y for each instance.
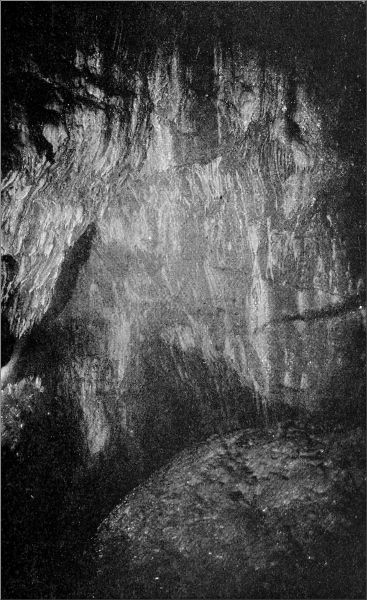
(183, 202)
(215, 183)
(248, 515)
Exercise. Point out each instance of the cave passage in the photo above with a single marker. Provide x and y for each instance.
(183, 300)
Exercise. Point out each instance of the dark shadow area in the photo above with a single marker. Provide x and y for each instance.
(7, 341)
(37, 471)
(74, 260)
(9, 270)
(343, 403)
(188, 401)
(53, 497)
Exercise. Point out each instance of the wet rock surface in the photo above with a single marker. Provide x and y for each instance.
(254, 514)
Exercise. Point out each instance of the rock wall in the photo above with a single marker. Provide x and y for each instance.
(183, 235)
(221, 277)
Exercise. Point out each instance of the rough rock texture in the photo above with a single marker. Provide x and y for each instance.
(182, 236)
(250, 515)
(216, 180)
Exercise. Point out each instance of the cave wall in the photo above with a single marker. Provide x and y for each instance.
(215, 162)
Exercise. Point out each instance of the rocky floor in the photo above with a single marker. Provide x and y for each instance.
(275, 514)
